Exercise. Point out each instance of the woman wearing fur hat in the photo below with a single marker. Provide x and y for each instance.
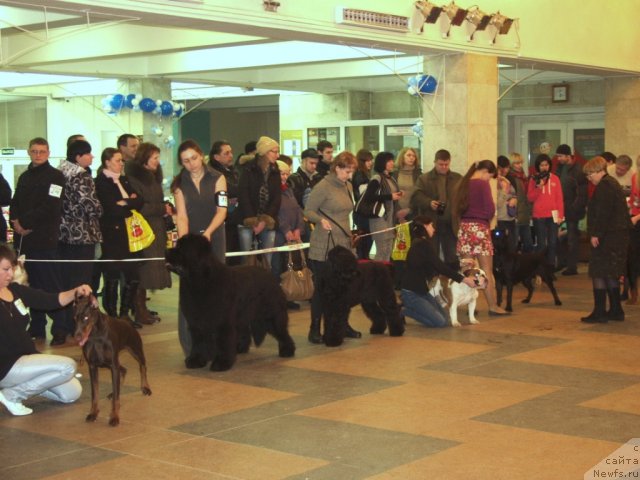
(259, 197)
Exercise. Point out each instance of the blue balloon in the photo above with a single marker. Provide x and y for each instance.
(127, 101)
(147, 105)
(178, 111)
(166, 109)
(117, 101)
(423, 84)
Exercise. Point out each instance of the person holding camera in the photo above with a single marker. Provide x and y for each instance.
(545, 193)
(431, 197)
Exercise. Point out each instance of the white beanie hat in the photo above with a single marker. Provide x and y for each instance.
(265, 144)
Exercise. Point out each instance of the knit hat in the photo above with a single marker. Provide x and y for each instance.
(283, 167)
(265, 144)
(563, 149)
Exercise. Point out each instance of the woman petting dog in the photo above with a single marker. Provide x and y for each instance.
(474, 209)
(24, 372)
(422, 265)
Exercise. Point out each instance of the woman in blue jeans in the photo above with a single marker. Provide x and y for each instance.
(422, 265)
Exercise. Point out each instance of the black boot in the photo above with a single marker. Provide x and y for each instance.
(615, 305)
(350, 332)
(599, 314)
(314, 331)
(110, 297)
(126, 302)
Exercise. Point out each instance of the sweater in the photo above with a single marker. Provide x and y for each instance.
(547, 198)
(422, 265)
(481, 207)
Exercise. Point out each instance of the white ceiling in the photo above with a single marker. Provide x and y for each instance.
(78, 50)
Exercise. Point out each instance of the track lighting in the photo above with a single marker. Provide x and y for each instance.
(456, 16)
(501, 23)
(478, 19)
(429, 11)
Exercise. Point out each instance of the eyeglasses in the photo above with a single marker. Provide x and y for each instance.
(38, 152)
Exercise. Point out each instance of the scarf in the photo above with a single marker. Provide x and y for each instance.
(116, 179)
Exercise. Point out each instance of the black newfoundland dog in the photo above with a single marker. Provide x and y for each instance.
(226, 306)
(344, 283)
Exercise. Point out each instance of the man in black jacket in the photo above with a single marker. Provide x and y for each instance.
(35, 215)
(221, 160)
(574, 193)
(306, 176)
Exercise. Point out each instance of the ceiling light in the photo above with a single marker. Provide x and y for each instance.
(479, 19)
(501, 23)
(429, 11)
(456, 16)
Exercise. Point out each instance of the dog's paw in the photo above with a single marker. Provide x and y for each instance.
(114, 421)
(509, 308)
(558, 302)
(396, 331)
(92, 417)
(195, 361)
(286, 351)
(377, 330)
(332, 341)
(146, 391)
(473, 321)
(526, 300)
(456, 323)
(220, 366)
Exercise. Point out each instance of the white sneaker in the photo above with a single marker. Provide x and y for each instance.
(16, 408)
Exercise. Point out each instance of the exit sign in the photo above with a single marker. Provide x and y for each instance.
(8, 151)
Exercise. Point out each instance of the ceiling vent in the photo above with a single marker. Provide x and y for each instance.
(365, 18)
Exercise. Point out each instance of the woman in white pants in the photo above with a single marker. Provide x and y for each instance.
(24, 372)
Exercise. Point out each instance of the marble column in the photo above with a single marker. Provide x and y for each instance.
(622, 116)
(462, 117)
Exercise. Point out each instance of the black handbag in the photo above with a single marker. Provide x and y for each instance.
(370, 208)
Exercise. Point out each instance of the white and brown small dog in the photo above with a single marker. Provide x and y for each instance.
(451, 294)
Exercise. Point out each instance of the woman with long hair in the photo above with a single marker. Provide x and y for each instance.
(634, 241)
(200, 193)
(360, 179)
(145, 175)
(473, 209)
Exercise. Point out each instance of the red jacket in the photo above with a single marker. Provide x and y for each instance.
(547, 198)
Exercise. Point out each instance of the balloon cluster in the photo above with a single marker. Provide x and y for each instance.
(418, 129)
(421, 84)
(112, 104)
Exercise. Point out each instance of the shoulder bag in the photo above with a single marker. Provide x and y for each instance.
(297, 284)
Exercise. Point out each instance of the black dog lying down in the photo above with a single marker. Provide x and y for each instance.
(345, 283)
(102, 338)
(226, 306)
(510, 269)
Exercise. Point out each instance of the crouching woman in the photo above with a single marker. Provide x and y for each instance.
(24, 372)
(423, 264)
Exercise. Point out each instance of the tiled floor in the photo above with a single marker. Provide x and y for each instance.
(537, 395)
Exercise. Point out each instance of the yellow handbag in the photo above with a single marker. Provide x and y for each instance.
(139, 232)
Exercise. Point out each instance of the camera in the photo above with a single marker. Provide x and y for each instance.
(540, 177)
(441, 207)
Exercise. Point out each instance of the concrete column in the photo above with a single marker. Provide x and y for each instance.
(464, 114)
(622, 116)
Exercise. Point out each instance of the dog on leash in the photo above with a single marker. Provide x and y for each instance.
(510, 269)
(102, 338)
(451, 294)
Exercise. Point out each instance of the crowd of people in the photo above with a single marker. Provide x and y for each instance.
(259, 202)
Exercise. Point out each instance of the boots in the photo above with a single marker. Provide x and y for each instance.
(110, 297)
(615, 307)
(126, 302)
(599, 314)
(141, 314)
(314, 331)
(633, 298)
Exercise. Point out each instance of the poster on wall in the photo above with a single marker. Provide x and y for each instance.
(291, 145)
(331, 134)
(588, 142)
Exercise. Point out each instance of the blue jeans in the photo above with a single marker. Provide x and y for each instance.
(266, 239)
(424, 309)
(547, 236)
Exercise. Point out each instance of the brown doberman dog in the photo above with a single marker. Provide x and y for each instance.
(102, 338)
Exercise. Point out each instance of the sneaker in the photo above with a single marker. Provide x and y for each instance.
(15, 408)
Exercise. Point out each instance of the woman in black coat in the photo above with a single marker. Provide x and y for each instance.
(608, 227)
(118, 198)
